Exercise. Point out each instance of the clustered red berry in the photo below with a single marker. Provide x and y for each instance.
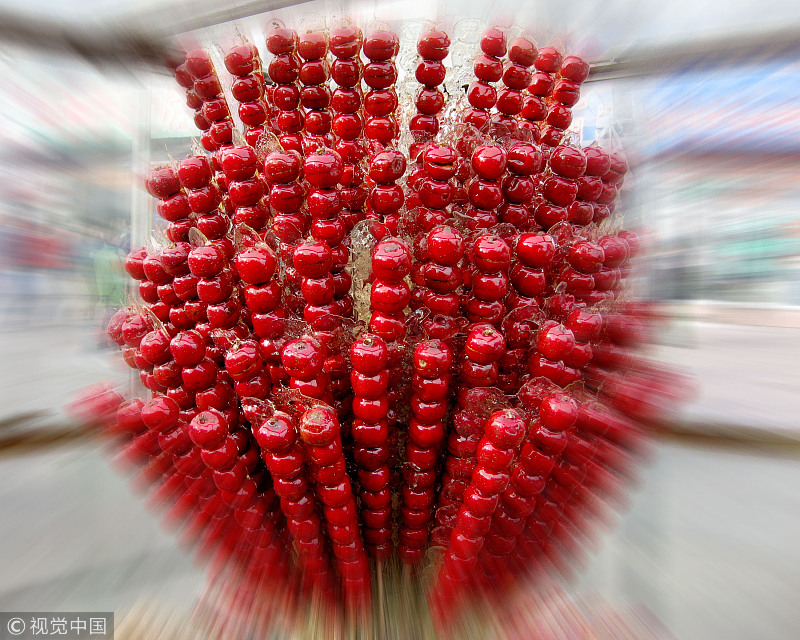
(284, 70)
(244, 62)
(380, 75)
(488, 69)
(315, 97)
(348, 118)
(204, 94)
(433, 47)
(468, 377)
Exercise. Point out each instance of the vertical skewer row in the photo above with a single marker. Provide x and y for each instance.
(248, 89)
(380, 75)
(315, 96)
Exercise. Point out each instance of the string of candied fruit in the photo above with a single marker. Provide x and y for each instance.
(516, 78)
(369, 377)
(348, 123)
(315, 96)
(244, 62)
(322, 443)
(285, 458)
(284, 70)
(478, 369)
(207, 99)
(380, 75)
(323, 170)
(567, 74)
(432, 46)
(498, 448)
(386, 197)
(430, 384)
(488, 68)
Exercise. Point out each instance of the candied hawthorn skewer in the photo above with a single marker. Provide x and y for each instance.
(525, 160)
(285, 458)
(488, 68)
(432, 46)
(426, 432)
(315, 96)
(245, 188)
(244, 62)
(369, 378)
(213, 108)
(348, 122)
(380, 75)
(284, 70)
(323, 170)
(497, 450)
(322, 442)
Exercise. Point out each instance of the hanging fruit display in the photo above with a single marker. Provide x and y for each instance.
(388, 328)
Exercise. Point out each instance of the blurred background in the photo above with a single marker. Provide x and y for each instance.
(703, 97)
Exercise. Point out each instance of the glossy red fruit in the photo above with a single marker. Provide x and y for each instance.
(569, 162)
(201, 376)
(389, 297)
(312, 259)
(615, 251)
(319, 426)
(216, 397)
(489, 286)
(160, 413)
(387, 167)
(188, 348)
(391, 260)
(586, 256)
(277, 433)
(558, 411)
(485, 344)
(381, 45)
(194, 172)
(256, 265)
(522, 51)
(312, 45)
(506, 429)
(566, 93)
(134, 263)
(432, 359)
(241, 60)
(281, 40)
(585, 324)
(134, 328)
(598, 162)
(554, 341)
(493, 42)
(206, 261)
(369, 355)
(574, 68)
(433, 45)
(302, 358)
(345, 42)
(239, 163)
(323, 169)
(489, 162)
(162, 182)
(488, 68)
(493, 457)
(244, 360)
(491, 253)
(155, 347)
(559, 191)
(208, 430)
(548, 60)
